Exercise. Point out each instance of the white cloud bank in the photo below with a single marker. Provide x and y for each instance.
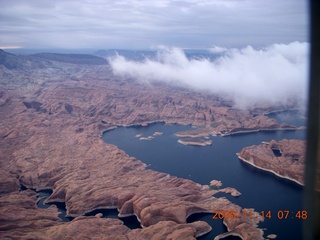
(275, 75)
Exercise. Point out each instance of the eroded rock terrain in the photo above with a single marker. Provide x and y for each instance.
(52, 113)
(285, 158)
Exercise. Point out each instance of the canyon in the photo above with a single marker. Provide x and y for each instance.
(53, 110)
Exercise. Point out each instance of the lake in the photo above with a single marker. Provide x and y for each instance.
(260, 190)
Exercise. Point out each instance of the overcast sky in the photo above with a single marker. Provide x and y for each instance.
(143, 24)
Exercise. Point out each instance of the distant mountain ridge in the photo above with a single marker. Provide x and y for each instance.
(12, 61)
(71, 58)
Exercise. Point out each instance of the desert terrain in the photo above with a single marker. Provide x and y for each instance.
(53, 110)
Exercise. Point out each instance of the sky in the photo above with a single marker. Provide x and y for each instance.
(146, 24)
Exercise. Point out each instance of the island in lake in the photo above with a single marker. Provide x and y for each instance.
(195, 141)
(53, 108)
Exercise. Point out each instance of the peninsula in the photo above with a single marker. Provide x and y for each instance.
(286, 158)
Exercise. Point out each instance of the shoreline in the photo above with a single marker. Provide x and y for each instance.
(206, 134)
(269, 170)
(283, 111)
(262, 130)
(143, 124)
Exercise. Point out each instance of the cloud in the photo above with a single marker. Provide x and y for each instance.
(272, 76)
(145, 23)
(217, 49)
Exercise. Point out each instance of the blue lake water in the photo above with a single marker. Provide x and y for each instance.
(260, 190)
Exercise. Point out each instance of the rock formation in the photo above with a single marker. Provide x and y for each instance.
(285, 159)
(52, 113)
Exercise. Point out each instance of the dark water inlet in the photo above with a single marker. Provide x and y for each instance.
(131, 222)
(43, 195)
(276, 152)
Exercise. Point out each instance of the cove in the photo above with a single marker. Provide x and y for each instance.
(42, 196)
(260, 190)
(131, 221)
